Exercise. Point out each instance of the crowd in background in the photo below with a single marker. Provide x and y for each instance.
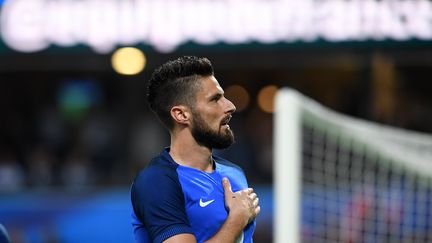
(101, 144)
(74, 134)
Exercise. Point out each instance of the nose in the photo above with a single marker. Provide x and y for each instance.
(230, 107)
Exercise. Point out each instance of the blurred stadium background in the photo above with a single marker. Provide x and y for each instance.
(75, 127)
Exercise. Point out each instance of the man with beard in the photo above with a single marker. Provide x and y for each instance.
(186, 194)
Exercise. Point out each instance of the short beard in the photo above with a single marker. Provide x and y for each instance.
(204, 136)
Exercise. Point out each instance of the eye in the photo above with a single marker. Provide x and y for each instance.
(216, 97)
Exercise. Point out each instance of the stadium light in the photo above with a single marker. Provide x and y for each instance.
(128, 61)
(238, 95)
(266, 98)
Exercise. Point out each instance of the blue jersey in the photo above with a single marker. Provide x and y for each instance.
(170, 199)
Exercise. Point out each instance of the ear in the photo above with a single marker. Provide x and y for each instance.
(180, 114)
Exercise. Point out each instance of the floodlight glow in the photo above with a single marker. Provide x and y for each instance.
(266, 98)
(238, 95)
(128, 61)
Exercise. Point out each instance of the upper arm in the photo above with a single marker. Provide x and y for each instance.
(181, 238)
(158, 202)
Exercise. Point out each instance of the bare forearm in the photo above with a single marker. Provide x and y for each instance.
(228, 233)
(242, 208)
(230, 230)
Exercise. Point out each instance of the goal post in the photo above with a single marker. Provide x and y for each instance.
(287, 169)
(342, 179)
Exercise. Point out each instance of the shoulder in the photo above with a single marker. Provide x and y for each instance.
(158, 200)
(158, 172)
(155, 187)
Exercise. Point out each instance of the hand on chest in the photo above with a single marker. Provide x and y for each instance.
(204, 199)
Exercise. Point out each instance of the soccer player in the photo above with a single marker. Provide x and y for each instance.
(186, 194)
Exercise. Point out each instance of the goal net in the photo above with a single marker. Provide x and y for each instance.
(340, 179)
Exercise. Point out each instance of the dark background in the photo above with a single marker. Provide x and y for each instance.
(74, 133)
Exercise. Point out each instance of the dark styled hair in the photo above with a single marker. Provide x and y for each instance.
(175, 83)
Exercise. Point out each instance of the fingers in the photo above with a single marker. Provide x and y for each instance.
(255, 202)
(257, 210)
(248, 192)
(226, 185)
(243, 203)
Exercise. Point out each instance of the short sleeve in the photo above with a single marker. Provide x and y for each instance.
(158, 202)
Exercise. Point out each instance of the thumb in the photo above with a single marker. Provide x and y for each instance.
(226, 185)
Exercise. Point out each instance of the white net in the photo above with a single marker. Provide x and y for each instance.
(349, 180)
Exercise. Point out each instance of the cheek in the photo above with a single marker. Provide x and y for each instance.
(210, 116)
(213, 122)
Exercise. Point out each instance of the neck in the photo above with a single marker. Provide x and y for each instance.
(187, 152)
